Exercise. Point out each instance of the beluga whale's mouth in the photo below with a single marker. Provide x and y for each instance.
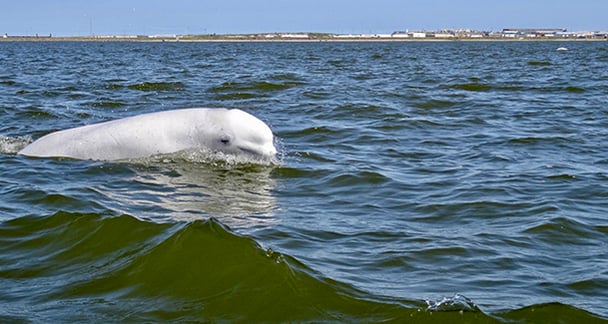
(265, 154)
(250, 151)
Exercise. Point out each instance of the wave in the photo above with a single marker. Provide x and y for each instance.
(158, 86)
(478, 87)
(126, 269)
(539, 63)
(231, 90)
(97, 267)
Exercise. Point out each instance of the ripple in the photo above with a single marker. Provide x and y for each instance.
(574, 89)
(551, 312)
(8, 82)
(238, 96)
(286, 172)
(534, 140)
(359, 178)
(248, 90)
(108, 104)
(564, 230)
(434, 103)
(158, 86)
(539, 63)
(114, 86)
(262, 86)
(477, 87)
(36, 112)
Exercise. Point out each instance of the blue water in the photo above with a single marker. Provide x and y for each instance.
(461, 180)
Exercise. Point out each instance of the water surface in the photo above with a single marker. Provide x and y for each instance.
(430, 181)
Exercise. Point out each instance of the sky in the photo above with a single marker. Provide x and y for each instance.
(155, 17)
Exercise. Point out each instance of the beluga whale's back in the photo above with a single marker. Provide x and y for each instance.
(229, 131)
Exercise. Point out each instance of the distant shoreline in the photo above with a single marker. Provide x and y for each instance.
(444, 35)
(228, 39)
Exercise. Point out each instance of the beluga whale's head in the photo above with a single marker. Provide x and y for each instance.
(238, 133)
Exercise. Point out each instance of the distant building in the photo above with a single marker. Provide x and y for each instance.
(295, 36)
(601, 34)
(444, 35)
(418, 34)
(531, 32)
(163, 36)
(400, 35)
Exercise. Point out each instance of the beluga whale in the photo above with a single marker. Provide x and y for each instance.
(216, 130)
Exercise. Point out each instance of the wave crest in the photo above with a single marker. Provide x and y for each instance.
(457, 303)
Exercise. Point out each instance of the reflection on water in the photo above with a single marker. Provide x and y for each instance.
(172, 189)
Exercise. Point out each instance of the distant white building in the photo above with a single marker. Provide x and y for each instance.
(444, 35)
(163, 36)
(532, 33)
(352, 36)
(418, 34)
(400, 35)
(295, 36)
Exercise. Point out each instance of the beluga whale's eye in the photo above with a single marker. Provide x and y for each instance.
(225, 139)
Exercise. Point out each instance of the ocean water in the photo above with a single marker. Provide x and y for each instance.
(428, 182)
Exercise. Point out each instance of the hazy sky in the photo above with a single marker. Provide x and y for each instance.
(83, 17)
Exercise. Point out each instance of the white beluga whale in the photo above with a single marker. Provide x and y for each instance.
(217, 130)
